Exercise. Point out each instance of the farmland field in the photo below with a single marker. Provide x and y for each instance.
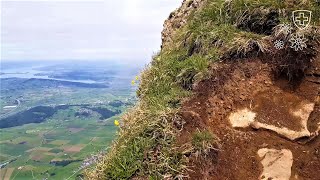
(49, 126)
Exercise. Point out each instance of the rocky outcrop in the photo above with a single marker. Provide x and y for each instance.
(293, 126)
(276, 164)
(178, 19)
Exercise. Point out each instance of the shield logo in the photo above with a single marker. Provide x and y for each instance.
(301, 18)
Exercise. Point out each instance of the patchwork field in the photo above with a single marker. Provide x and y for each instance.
(48, 127)
(6, 173)
(51, 149)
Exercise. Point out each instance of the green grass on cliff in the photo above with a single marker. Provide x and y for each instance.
(145, 144)
(145, 147)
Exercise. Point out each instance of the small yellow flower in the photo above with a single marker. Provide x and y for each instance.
(137, 78)
(116, 123)
(133, 82)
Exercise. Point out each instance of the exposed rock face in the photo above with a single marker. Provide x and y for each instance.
(178, 18)
(242, 118)
(276, 163)
(292, 123)
(260, 120)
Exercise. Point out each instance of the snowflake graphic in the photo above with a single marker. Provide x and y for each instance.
(279, 44)
(298, 41)
(286, 28)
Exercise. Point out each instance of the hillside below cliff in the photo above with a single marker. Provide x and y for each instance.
(234, 93)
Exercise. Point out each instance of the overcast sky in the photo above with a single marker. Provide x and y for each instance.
(86, 30)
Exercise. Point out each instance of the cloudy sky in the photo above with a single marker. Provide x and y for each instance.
(85, 30)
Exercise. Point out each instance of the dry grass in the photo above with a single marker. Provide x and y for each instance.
(204, 143)
(144, 148)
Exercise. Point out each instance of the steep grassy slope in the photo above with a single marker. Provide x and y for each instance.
(200, 40)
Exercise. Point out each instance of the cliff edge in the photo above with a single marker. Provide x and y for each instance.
(234, 93)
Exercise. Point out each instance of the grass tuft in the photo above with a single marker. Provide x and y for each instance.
(204, 143)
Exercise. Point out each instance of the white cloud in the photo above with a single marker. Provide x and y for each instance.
(123, 29)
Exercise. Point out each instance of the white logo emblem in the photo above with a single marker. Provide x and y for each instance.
(301, 18)
(298, 42)
(279, 44)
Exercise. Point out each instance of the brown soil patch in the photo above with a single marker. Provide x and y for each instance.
(37, 157)
(280, 108)
(75, 148)
(8, 174)
(250, 84)
(2, 173)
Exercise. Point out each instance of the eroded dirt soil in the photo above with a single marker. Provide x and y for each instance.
(252, 84)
